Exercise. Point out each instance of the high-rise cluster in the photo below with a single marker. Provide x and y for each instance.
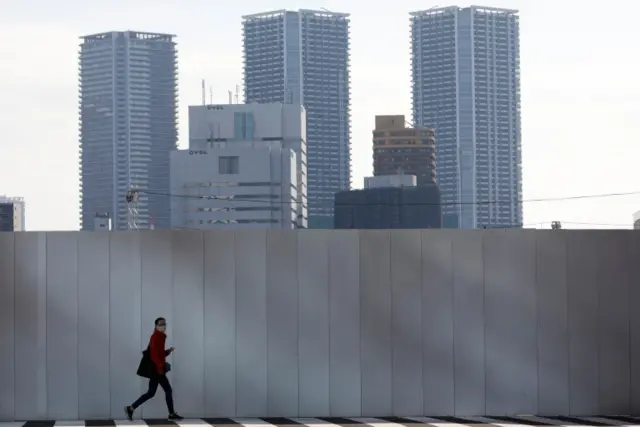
(464, 143)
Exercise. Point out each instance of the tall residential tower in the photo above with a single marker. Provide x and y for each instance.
(128, 125)
(466, 85)
(302, 57)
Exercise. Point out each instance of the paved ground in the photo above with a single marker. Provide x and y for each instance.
(348, 422)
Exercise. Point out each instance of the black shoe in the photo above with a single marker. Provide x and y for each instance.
(128, 410)
(175, 417)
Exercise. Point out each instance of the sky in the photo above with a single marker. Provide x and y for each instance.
(580, 92)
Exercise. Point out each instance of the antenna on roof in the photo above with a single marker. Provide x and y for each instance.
(237, 94)
(230, 97)
(210, 95)
(204, 101)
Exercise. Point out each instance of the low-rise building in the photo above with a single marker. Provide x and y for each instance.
(255, 123)
(389, 202)
(235, 185)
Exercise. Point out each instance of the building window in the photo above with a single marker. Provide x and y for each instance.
(228, 165)
(243, 126)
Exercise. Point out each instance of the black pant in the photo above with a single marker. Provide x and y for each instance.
(153, 387)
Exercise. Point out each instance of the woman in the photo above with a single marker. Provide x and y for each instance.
(155, 367)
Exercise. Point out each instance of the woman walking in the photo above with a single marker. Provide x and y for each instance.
(155, 367)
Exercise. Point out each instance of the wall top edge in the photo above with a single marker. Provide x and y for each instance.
(329, 231)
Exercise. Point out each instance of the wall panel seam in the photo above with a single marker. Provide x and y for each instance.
(77, 239)
(109, 262)
(13, 238)
(46, 315)
(325, 246)
(391, 322)
(484, 311)
(537, 311)
(569, 318)
(453, 320)
(629, 335)
(421, 326)
(361, 339)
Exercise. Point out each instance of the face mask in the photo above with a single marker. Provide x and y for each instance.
(161, 328)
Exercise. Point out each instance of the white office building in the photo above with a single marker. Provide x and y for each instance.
(255, 123)
(235, 185)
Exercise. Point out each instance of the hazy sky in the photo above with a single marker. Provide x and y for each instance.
(580, 91)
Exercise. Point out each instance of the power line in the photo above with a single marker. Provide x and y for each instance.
(481, 202)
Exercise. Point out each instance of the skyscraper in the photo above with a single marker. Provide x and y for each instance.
(303, 57)
(128, 125)
(466, 85)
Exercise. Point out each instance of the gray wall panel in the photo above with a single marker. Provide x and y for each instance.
(633, 273)
(7, 327)
(468, 314)
(62, 325)
(157, 301)
(41, 255)
(553, 332)
(613, 320)
(582, 287)
(30, 323)
(313, 327)
(510, 323)
(437, 322)
(219, 324)
(188, 320)
(344, 323)
(94, 398)
(406, 333)
(375, 297)
(251, 323)
(124, 319)
(282, 323)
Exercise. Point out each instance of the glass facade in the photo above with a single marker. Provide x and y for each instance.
(303, 57)
(466, 85)
(128, 124)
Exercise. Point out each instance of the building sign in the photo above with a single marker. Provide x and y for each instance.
(192, 152)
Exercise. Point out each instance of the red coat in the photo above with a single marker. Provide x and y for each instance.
(156, 350)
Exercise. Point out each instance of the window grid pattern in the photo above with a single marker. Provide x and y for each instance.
(304, 56)
(128, 124)
(466, 84)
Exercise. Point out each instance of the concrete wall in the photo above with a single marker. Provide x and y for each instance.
(315, 323)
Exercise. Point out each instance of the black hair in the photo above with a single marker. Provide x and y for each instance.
(160, 319)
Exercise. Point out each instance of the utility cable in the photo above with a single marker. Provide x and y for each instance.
(481, 202)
